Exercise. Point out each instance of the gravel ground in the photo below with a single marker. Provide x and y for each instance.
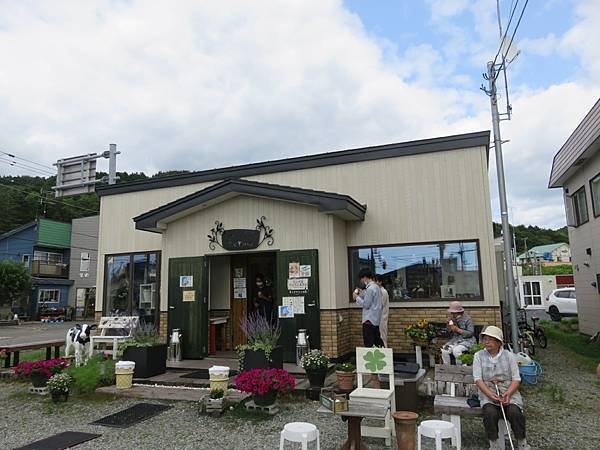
(560, 411)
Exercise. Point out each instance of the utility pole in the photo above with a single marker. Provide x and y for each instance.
(506, 234)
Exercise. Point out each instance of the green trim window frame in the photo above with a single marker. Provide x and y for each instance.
(426, 271)
(595, 194)
(132, 285)
(580, 207)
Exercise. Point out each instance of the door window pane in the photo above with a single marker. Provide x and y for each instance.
(144, 286)
(428, 271)
(117, 276)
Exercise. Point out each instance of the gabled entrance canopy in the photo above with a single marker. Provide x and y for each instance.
(342, 206)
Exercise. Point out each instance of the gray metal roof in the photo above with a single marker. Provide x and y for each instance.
(468, 140)
(341, 205)
(18, 229)
(581, 145)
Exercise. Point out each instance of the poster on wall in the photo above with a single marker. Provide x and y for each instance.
(296, 303)
(305, 271)
(239, 293)
(189, 296)
(294, 270)
(238, 272)
(186, 281)
(239, 283)
(286, 312)
(297, 284)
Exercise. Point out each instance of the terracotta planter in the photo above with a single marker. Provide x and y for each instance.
(316, 378)
(345, 380)
(265, 399)
(406, 429)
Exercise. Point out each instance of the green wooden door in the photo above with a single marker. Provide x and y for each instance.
(188, 305)
(290, 285)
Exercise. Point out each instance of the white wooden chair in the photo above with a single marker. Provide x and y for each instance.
(371, 361)
(112, 331)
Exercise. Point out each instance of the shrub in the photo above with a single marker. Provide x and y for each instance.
(59, 383)
(262, 381)
(98, 371)
(216, 394)
(467, 358)
(261, 333)
(144, 335)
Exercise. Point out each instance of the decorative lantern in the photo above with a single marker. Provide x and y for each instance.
(302, 345)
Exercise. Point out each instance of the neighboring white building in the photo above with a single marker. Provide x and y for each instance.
(551, 253)
(576, 169)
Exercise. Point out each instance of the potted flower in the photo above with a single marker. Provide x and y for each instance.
(39, 371)
(262, 350)
(146, 350)
(315, 363)
(346, 373)
(215, 398)
(421, 332)
(59, 385)
(265, 384)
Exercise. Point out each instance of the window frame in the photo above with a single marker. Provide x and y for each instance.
(578, 223)
(47, 259)
(477, 241)
(47, 302)
(531, 295)
(595, 212)
(130, 299)
(26, 259)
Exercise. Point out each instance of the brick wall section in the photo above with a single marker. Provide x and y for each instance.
(341, 338)
(97, 317)
(163, 326)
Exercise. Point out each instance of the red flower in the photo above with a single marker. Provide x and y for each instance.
(262, 381)
(46, 367)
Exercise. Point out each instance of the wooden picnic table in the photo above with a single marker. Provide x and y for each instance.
(357, 411)
(15, 349)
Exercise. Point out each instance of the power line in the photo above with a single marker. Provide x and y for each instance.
(516, 28)
(58, 202)
(28, 160)
(512, 13)
(25, 167)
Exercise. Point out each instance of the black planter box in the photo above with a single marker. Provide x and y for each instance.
(149, 361)
(256, 359)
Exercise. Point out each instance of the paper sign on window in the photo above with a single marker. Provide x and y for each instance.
(297, 284)
(239, 283)
(239, 293)
(296, 303)
(286, 312)
(305, 271)
(294, 270)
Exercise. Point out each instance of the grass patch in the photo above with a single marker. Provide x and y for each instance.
(239, 412)
(587, 353)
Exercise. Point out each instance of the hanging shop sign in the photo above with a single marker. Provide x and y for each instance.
(240, 239)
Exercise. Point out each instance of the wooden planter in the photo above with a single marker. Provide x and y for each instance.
(345, 380)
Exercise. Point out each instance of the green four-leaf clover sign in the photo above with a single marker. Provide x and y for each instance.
(375, 360)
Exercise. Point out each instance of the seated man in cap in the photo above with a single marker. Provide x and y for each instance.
(496, 374)
(461, 334)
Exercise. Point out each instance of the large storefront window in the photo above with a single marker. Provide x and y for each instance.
(436, 271)
(132, 285)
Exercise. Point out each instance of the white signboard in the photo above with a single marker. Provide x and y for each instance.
(239, 283)
(296, 303)
(297, 284)
(239, 293)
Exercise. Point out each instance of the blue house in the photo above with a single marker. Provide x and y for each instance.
(43, 246)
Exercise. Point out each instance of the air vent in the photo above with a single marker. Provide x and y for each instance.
(579, 162)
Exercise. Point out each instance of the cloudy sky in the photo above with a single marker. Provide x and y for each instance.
(202, 84)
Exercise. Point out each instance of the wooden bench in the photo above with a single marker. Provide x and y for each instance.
(15, 350)
(454, 385)
(114, 330)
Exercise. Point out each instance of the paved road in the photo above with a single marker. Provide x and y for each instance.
(33, 332)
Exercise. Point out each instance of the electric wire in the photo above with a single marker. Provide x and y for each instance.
(516, 28)
(58, 202)
(512, 13)
(25, 167)
(28, 160)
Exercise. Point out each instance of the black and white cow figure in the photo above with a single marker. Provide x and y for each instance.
(79, 338)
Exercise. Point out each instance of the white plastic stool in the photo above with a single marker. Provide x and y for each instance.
(438, 430)
(300, 432)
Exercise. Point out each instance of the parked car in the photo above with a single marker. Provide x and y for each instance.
(562, 302)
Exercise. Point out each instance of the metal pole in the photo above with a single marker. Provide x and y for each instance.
(507, 238)
(112, 164)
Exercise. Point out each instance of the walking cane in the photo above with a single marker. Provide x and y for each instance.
(505, 421)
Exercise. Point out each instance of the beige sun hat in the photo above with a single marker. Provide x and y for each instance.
(494, 332)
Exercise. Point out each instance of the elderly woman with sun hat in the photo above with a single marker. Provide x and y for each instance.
(461, 334)
(496, 374)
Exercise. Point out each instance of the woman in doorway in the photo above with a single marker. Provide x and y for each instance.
(263, 298)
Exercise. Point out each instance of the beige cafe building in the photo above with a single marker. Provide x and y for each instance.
(184, 251)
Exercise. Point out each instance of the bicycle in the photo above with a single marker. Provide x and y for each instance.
(528, 335)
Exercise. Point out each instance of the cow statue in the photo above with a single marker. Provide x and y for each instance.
(79, 338)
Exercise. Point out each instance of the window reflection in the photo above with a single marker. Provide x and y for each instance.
(430, 271)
